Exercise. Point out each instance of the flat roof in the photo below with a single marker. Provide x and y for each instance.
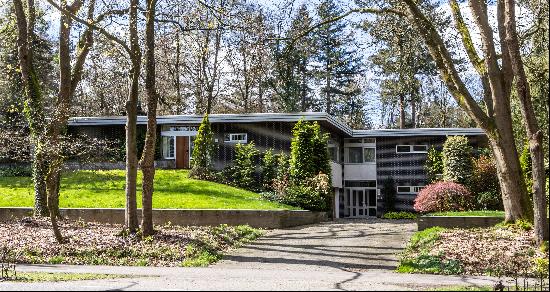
(219, 118)
(418, 132)
(324, 118)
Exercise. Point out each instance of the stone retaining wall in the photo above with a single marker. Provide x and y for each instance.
(425, 222)
(198, 217)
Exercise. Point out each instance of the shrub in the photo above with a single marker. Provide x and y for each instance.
(243, 169)
(484, 184)
(443, 196)
(283, 164)
(457, 160)
(489, 201)
(434, 165)
(308, 151)
(399, 215)
(269, 169)
(312, 195)
(389, 191)
(16, 170)
(203, 151)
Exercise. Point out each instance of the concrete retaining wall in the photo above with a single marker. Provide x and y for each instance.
(425, 222)
(202, 217)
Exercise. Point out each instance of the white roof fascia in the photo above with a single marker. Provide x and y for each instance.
(419, 132)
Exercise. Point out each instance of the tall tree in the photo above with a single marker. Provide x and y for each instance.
(291, 74)
(339, 63)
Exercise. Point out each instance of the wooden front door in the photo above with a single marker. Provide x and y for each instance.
(182, 152)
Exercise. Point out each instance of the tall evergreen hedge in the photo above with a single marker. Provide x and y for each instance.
(308, 151)
(457, 160)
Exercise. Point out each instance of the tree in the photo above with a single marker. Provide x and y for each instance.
(291, 76)
(12, 91)
(338, 62)
(147, 162)
(308, 151)
(457, 160)
(203, 151)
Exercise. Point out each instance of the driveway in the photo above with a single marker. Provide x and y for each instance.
(341, 255)
(341, 245)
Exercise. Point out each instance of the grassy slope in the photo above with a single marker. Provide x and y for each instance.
(105, 189)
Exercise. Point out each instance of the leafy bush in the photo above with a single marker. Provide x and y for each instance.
(243, 169)
(489, 201)
(443, 196)
(400, 215)
(313, 195)
(16, 170)
(389, 191)
(308, 151)
(434, 165)
(485, 185)
(269, 169)
(457, 160)
(203, 151)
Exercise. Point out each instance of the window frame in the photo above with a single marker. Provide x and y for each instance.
(347, 157)
(412, 190)
(411, 148)
(235, 141)
(166, 147)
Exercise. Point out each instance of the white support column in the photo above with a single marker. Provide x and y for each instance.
(336, 203)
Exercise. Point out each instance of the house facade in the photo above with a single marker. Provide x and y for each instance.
(360, 159)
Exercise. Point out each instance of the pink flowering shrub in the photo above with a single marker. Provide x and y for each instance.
(443, 196)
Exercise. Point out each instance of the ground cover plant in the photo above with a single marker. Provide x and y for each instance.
(105, 189)
(400, 215)
(503, 250)
(469, 213)
(30, 241)
(58, 277)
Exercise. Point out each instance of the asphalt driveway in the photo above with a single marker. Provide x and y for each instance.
(344, 244)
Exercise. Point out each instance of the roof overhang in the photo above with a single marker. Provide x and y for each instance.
(419, 132)
(323, 118)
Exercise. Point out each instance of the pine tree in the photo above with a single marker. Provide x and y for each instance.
(338, 64)
(201, 161)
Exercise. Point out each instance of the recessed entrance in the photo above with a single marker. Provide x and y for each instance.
(182, 152)
(361, 202)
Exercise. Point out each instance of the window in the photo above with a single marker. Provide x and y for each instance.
(355, 154)
(168, 147)
(411, 148)
(369, 140)
(361, 154)
(409, 189)
(353, 141)
(369, 154)
(333, 152)
(236, 138)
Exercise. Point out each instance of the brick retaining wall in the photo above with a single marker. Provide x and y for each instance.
(197, 217)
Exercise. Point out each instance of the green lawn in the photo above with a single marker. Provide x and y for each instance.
(105, 189)
(469, 213)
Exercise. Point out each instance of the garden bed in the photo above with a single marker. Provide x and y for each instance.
(31, 241)
(497, 251)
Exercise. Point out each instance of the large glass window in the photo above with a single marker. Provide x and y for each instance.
(168, 148)
(355, 154)
(369, 154)
(333, 152)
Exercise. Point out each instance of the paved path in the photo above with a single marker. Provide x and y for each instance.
(342, 255)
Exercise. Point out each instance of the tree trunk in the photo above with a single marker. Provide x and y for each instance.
(147, 162)
(39, 170)
(52, 183)
(402, 112)
(413, 112)
(531, 125)
(131, 220)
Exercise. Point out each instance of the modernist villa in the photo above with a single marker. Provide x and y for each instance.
(361, 159)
